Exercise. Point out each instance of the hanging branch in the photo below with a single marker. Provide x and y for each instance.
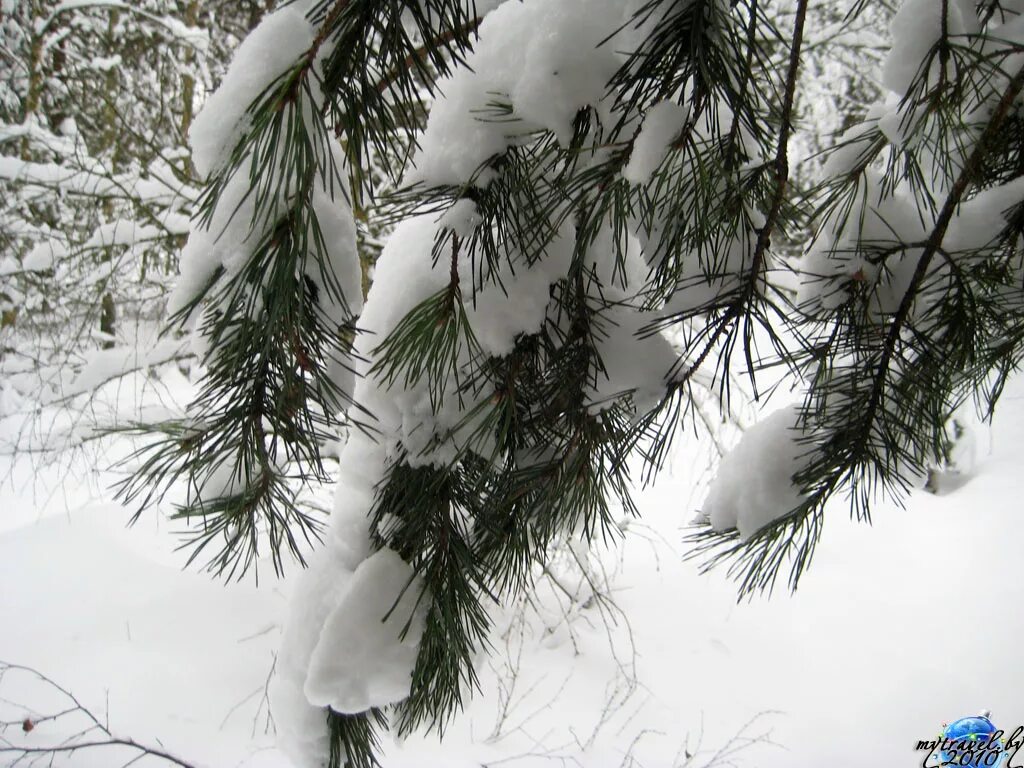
(738, 307)
(867, 425)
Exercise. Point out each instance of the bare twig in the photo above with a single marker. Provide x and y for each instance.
(93, 734)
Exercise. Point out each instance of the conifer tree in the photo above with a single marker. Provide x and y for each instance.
(593, 219)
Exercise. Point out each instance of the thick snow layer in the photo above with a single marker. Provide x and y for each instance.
(43, 256)
(859, 246)
(330, 604)
(512, 301)
(461, 218)
(233, 234)
(336, 650)
(405, 276)
(635, 361)
(662, 124)
(104, 365)
(368, 646)
(337, 227)
(226, 241)
(358, 661)
(266, 54)
(315, 597)
(754, 483)
(301, 726)
(544, 59)
(515, 300)
(916, 27)
(163, 655)
(852, 149)
(982, 218)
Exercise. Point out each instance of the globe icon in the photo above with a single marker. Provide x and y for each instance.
(974, 734)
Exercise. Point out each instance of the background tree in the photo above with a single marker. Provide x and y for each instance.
(97, 103)
(98, 192)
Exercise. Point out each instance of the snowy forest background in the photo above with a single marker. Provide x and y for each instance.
(621, 654)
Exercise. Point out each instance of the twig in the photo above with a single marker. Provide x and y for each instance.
(28, 725)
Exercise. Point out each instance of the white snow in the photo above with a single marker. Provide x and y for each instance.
(866, 644)
(753, 485)
(983, 217)
(461, 218)
(876, 222)
(364, 659)
(635, 360)
(43, 256)
(231, 237)
(104, 365)
(105, 63)
(516, 302)
(350, 633)
(227, 240)
(266, 54)
(916, 27)
(546, 77)
(662, 123)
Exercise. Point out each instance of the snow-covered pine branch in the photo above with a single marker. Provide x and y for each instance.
(910, 297)
(596, 217)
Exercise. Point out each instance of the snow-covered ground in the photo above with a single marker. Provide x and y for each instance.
(897, 629)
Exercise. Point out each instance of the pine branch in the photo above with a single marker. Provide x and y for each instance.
(846, 445)
(520, 448)
(738, 306)
(932, 245)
